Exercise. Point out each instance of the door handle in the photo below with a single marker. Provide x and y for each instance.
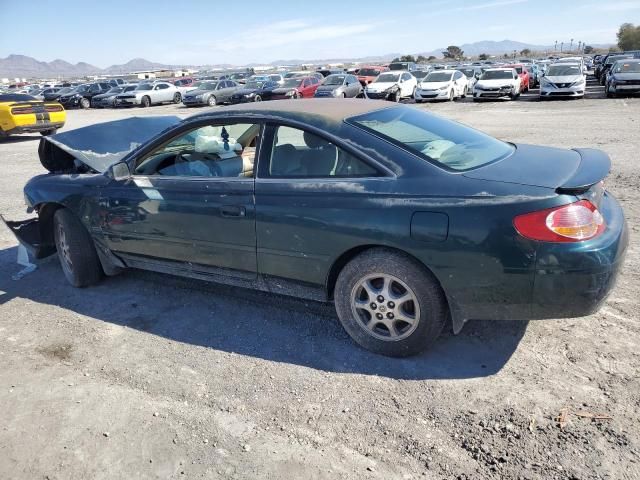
(233, 211)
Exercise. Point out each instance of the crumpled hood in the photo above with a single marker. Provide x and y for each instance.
(101, 145)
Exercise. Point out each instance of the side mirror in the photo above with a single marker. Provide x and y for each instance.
(119, 171)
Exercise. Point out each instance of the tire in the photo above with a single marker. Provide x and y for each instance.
(397, 97)
(425, 303)
(464, 93)
(257, 98)
(211, 101)
(145, 102)
(177, 97)
(46, 133)
(76, 251)
(85, 103)
(452, 95)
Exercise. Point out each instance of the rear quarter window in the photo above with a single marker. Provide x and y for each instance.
(445, 143)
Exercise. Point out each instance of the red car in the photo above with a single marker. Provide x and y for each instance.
(523, 73)
(366, 75)
(297, 87)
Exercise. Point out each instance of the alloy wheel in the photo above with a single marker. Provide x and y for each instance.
(385, 307)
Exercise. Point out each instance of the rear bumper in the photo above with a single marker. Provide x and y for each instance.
(573, 280)
(34, 128)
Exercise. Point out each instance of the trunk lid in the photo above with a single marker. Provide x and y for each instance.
(566, 171)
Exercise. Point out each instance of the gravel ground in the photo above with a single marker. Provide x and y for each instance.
(150, 376)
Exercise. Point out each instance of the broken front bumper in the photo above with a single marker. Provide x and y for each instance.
(29, 234)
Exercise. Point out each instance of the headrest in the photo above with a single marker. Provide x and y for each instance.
(314, 141)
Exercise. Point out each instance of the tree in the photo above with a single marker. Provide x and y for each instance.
(431, 58)
(629, 37)
(453, 52)
(506, 55)
(483, 56)
(525, 52)
(588, 49)
(421, 59)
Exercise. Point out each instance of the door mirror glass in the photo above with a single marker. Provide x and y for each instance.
(120, 171)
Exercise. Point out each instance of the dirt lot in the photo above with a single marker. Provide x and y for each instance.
(149, 376)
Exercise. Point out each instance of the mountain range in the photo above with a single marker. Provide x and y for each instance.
(24, 66)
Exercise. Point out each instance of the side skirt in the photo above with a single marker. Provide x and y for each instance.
(234, 278)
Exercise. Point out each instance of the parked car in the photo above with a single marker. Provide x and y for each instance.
(497, 83)
(366, 75)
(151, 93)
(409, 66)
(534, 75)
(563, 80)
(108, 99)
(307, 212)
(185, 84)
(81, 96)
(20, 113)
(303, 73)
(296, 87)
(53, 96)
(254, 92)
(325, 72)
(624, 78)
(523, 74)
(609, 62)
(339, 85)
(392, 85)
(472, 73)
(240, 77)
(442, 85)
(211, 93)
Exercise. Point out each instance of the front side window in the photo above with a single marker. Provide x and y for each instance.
(300, 154)
(210, 151)
(434, 139)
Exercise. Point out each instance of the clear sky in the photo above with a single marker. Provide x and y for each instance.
(244, 31)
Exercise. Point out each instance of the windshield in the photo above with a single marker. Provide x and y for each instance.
(626, 67)
(207, 85)
(434, 139)
(387, 77)
(64, 90)
(612, 60)
(144, 86)
(420, 74)
(83, 88)
(399, 66)
(334, 80)
(438, 77)
(254, 84)
(368, 72)
(562, 70)
(114, 90)
(469, 72)
(291, 83)
(497, 75)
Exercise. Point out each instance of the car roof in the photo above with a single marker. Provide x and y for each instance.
(332, 109)
(499, 69)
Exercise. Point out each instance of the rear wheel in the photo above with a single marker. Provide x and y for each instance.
(177, 97)
(76, 250)
(85, 103)
(464, 93)
(390, 304)
(145, 102)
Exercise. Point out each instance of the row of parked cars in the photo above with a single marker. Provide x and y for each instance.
(619, 73)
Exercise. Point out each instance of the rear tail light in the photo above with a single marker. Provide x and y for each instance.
(569, 223)
(54, 108)
(22, 110)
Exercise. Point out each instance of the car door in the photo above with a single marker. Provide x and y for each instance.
(190, 199)
(309, 194)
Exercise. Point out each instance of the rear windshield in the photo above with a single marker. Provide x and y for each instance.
(443, 142)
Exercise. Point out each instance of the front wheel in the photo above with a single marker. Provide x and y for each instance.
(258, 98)
(76, 250)
(211, 101)
(390, 304)
(85, 103)
(452, 95)
(397, 96)
(145, 102)
(464, 93)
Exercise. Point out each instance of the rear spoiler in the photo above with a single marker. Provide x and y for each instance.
(594, 166)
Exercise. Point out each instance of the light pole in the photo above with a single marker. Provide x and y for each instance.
(555, 47)
(571, 45)
(561, 46)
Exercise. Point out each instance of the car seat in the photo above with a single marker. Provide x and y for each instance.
(320, 160)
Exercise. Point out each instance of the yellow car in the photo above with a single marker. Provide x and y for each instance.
(21, 113)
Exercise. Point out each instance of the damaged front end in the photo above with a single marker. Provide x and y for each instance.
(29, 234)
